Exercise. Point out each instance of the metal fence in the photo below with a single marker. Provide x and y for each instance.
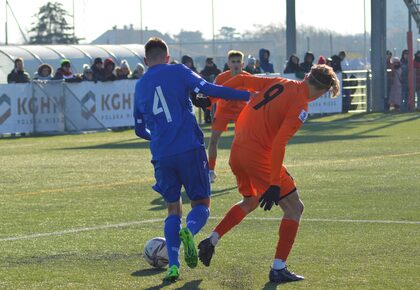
(356, 91)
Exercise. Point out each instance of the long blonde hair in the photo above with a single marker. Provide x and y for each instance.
(324, 77)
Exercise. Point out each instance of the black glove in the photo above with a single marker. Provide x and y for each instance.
(200, 102)
(270, 196)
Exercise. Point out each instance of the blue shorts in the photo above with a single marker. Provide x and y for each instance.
(189, 169)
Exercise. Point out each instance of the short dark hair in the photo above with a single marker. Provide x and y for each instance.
(18, 59)
(155, 48)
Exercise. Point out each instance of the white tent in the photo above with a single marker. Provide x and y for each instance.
(34, 55)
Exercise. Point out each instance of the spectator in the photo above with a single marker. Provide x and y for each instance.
(344, 64)
(98, 69)
(265, 65)
(417, 73)
(257, 67)
(389, 72)
(250, 66)
(123, 72)
(188, 62)
(138, 72)
(64, 71)
(328, 61)
(18, 75)
(209, 73)
(109, 66)
(87, 73)
(336, 63)
(395, 95)
(44, 73)
(292, 67)
(404, 79)
(308, 62)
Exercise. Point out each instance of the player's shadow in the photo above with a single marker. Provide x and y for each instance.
(159, 204)
(134, 143)
(195, 284)
(148, 272)
(270, 286)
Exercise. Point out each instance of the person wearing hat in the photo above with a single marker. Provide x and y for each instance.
(123, 72)
(97, 69)
(44, 73)
(64, 71)
(265, 64)
(210, 71)
(138, 72)
(109, 66)
(87, 73)
(250, 66)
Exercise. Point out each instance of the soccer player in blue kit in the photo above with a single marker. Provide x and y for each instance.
(164, 114)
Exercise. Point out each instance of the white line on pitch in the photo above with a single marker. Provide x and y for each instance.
(78, 230)
(127, 224)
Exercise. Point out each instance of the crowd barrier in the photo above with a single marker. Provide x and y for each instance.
(56, 106)
(39, 107)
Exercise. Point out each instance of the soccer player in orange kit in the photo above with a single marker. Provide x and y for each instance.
(226, 110)
(262, 131)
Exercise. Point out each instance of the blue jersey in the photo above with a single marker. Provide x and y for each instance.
(163, 111)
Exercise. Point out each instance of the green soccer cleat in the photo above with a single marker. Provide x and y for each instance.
(172, 274)
(190, 252)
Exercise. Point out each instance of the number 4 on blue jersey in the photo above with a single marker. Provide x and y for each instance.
(159, 97)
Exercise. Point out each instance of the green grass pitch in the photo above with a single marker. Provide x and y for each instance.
(76, 211)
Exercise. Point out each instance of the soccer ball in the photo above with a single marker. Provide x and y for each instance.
(155, 252)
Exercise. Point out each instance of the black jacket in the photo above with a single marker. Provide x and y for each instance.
(18, 77)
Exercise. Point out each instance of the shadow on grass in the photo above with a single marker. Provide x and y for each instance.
(195, 284)
(134, 143)
(270, 286)
(225, 142)
(148, 272)
(313, 132)
(159, 204)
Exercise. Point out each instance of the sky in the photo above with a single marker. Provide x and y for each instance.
(94, 17)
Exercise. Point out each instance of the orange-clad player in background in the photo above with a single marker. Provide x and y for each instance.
(226, 110)
(262, 131)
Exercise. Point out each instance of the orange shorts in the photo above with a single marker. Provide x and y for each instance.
(253, 171)
(220, 123)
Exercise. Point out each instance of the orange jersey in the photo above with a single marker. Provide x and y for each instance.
(271, 118)
(228, 108)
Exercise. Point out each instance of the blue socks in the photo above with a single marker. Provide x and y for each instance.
(197, 218)
(173, 241)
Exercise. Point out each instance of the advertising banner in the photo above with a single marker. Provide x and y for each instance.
(16, 108)
(101, 105)
(324, 104)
